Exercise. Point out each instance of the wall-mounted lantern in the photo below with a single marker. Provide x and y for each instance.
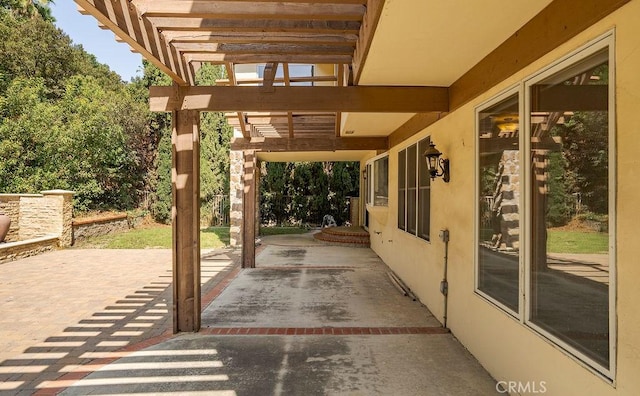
(438, 167)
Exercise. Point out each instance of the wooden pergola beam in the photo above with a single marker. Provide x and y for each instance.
(270, 71)
(311, 79)
(112, 15)
(168, 24)
(372, 99)
(260, 37)
(250, 10)
(365, 37)
(267, 57)
(310, 144)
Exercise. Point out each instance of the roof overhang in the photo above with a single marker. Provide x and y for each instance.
(437, 55)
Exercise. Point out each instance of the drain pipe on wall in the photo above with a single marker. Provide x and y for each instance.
(444, 285)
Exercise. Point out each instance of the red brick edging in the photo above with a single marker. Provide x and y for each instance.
(322, 330)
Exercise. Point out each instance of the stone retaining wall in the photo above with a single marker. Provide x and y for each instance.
(15, 250)
(86, 228)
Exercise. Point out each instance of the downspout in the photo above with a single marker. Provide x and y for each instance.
(444, 285)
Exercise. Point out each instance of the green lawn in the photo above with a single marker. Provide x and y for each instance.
(560, 241)
(156, 237)
(281, 230)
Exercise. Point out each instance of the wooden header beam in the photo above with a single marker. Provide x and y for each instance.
(310, 144)
(360, 99)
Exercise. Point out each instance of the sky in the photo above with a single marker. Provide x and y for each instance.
(84, 30)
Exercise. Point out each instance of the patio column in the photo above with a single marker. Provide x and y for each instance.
(249, 209)
(185, 214)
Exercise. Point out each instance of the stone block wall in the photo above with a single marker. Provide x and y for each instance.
(236, 190)
(38, 215)
(86, 228)
(506, 202)
(17, 250)
(10, 206)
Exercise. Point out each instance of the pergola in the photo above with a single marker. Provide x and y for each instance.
(468, 56)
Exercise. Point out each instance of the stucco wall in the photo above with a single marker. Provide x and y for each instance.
(506, 348)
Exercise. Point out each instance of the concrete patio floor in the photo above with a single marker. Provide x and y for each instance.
(309, 320)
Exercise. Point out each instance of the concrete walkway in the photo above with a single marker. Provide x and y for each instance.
(310, 320)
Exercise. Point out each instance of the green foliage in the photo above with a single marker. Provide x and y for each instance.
(578, 242)
(274, 201)
(28, 8)
(66, 121)
(306, 191)
(158, 237)
(36, 48)
(560, 204)
(587, 157)
(81, 142)
(265, 231)
(215, 138)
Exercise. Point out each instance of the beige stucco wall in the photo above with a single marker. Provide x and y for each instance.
(506, 348)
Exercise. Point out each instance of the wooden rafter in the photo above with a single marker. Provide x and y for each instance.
(232, 79)
(254, 81)
(287, 83)
(340, 78)
(311, 144)
(369, 25)
(260, 37)
(260, 26)
(111, 14)
(352, 99)
(250, 10)
(270, 71)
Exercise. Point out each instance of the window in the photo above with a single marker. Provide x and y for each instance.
(377, 175)
(498, 226)
(295, 70)
(545, 247)
(569, 184)
(414, 190)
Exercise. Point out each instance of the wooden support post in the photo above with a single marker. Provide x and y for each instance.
(186, 220)
(249, 210)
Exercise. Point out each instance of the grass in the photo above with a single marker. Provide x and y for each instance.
(154, 237)
(561, 241)
(264, 231)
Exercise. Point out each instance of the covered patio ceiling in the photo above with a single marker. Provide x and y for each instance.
(383, 70)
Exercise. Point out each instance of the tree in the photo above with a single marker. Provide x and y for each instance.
(28, 8)
(275, 184)
(343, 183)
(306, 191)
(587, 158)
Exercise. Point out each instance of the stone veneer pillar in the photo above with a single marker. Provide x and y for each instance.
(236, 191)
(507, 200)
(62, 225)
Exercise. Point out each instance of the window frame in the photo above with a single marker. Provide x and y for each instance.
(515, 90)
(420, 170)
(371, 181)
(604, 42)
(523, 88)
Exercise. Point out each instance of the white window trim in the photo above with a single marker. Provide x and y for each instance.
(513, 90)
(419, 163)
(370, 185)
(606, 40)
